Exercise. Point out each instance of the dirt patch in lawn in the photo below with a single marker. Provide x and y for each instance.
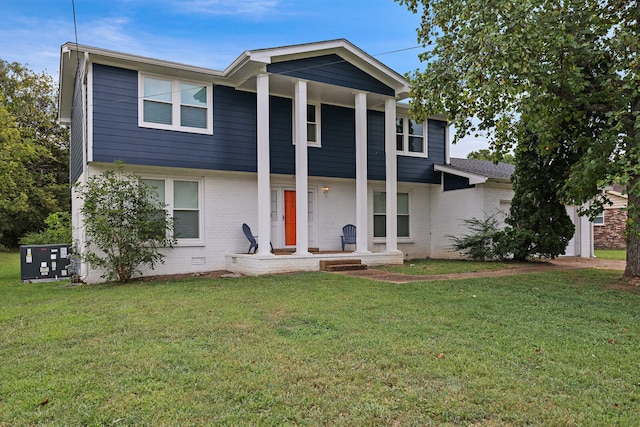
(217, 274)
(558, 264)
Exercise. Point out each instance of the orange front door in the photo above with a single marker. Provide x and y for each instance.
(289, 218)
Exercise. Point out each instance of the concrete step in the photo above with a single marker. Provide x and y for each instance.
(346, 267)
(342, 265)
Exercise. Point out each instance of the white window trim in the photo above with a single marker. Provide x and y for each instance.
(318, 143)
(168, 197)
(175, 105)
(599, 224)
(405, 138)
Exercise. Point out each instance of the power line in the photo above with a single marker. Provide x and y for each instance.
(75, 28)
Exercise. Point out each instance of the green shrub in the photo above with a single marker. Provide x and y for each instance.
(125, 224)
(480, 244)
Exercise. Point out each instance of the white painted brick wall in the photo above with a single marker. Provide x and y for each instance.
(451, 208)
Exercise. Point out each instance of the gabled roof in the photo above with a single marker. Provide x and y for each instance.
(478, 171)
(341, 47)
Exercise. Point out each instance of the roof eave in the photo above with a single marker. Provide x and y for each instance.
(472, 177)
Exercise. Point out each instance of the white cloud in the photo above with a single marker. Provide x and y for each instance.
(249, 8)
(107, 33)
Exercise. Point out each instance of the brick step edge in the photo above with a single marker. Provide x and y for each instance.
(329, 262)
(345, 267)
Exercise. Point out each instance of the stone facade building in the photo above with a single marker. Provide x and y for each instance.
(609, 227)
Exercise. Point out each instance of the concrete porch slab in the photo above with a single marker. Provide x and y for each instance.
(256, 265)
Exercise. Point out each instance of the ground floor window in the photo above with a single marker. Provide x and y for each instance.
(182, 199)
(599, 219)
(380, 214)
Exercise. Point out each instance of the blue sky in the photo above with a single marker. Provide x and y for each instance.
(208, 33)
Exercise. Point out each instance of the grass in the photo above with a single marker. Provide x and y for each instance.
(447, 266)
(550, 349)
(619, 254)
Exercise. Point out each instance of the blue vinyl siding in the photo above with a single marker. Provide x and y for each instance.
(337, 157)
(410, 169)
(76, 151)
(376, 164)
(331, 69)
(281, 149)
(454, 182)
(417, 169)
(232, 147)
(117, 135)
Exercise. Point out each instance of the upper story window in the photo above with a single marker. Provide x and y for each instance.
(175, 105)
(410, 140)
(313, 125)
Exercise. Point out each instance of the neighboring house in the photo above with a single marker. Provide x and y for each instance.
(609, 227)
(295, 141)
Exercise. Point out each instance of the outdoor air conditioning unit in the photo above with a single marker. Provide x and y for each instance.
(45, 262)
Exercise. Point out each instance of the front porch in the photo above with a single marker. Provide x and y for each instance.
(257, 264)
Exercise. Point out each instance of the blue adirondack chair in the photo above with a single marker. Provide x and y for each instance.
(348, 235)
(252, 240)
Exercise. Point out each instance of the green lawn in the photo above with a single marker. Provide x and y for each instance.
(448, 266)
(611, 254)
(552, 349)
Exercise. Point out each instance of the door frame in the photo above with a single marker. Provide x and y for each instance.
(277, 217)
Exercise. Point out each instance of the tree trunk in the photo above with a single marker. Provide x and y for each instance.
(633, 233)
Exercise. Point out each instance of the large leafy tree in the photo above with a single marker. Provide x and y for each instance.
(35, 152)
(538, 223)
(568, 69)
(486, 154)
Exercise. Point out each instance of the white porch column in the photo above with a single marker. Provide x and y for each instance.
(362, 223)
(302, 168)
(264, 184)
(391, 168)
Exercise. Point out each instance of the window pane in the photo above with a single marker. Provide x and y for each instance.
(599, 219)
(403, 203)
(312, 135)
(399, 125)
(185, 195)
(274, 205)
(158, 185)
(400, 142)
(415, 128)
(186, 224)
(311, 113)
(379, 226)
(379, 202)
(193, 94)
(403, 225)
(193, 117)
(157, 112)
(159, 90)
(415, 144)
